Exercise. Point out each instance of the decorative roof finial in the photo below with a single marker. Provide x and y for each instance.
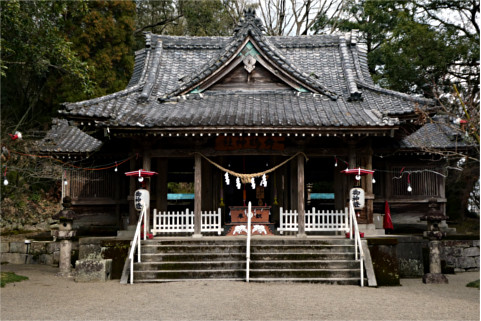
(249, 22)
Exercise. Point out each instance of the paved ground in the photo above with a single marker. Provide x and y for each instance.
(47, 297)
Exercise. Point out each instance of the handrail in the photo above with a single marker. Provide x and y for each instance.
(136, 241)
(248, 243)
(354, 230)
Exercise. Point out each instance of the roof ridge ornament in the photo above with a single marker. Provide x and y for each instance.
(249, 22)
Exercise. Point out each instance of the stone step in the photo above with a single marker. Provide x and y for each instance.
(306, 264)
(229, 256)
(190, 274)
(189, 265)
(304, 273)
(333, 281)
(242, 241)
(228, 248)
(254, 273)
(238, 264)
(329, 261)
(179, 257)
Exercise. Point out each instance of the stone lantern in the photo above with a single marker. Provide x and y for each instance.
(434, 234)
(65, 233)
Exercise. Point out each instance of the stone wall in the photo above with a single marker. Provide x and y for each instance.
(411, 257)
(38, 252)
(461, 255)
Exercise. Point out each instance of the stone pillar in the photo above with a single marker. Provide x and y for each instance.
(65, 266)
(197, 196)
(65, 233)
(433, 218)
(300, 197)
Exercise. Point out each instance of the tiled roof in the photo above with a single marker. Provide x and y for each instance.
(438, 134)
(67, 139)
(243, 109)
(334, 67)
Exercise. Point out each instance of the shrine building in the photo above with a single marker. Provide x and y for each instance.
(290, 124)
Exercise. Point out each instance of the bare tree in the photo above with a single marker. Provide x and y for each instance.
(294, 17)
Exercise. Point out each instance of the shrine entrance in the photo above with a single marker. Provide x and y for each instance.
(236, 195)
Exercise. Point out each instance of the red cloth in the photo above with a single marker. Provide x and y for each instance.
(387, 223)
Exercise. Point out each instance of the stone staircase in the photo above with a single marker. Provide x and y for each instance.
(318, 260)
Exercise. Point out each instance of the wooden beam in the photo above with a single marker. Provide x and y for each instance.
(161, 181)
(197, 196)
(132, 185)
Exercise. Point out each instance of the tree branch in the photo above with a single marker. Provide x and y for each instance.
(159, 23)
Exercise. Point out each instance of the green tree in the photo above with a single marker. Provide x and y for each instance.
(103, 38)
(33, 49)
(427, 48)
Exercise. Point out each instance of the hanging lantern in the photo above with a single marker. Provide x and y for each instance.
(116, 169)
(5, 181)
(373, 180)
(335, 164)
(410, 189)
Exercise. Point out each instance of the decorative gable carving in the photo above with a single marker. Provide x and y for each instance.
(249, 63)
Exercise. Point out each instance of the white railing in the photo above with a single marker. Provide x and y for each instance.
(248, 243)
(354, 230)
(183, 222)
(211, 222)
(136, 241)
(315, 221)
(326, 220)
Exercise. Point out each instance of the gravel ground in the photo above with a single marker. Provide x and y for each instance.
(48, 297)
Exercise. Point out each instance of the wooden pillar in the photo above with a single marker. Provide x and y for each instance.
(132, 188)
(146, 165)
(293, 191)
(300, 196)
(368, 183)
(197, 196)
(207, 187)
(161, 182)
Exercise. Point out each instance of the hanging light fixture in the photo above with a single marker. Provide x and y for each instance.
(335, 164)
(358, 176)
(5, 180)
(410, 189)
(116, 169)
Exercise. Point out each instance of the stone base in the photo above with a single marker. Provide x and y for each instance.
(93, 270)
(435, 278)
(64, 274)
